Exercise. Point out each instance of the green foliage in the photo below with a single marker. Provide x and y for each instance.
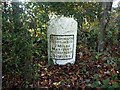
(50, 62)
(16, 46)
(96, 84)
(97, 56)
(114, 61)
(106, 82)
(115, 77)
(116, 85)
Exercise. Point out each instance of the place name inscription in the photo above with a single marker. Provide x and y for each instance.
(61, 46)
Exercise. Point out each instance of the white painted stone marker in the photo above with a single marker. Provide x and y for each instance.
(62, 36)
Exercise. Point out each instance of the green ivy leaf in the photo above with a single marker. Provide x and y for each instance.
(106, 81)
(96, 84)
(50, 62)
(116, 85)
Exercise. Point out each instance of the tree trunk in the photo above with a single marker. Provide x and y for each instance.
(17, 28)
(104, 20)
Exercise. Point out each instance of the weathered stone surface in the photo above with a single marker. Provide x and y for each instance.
(62, 34)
